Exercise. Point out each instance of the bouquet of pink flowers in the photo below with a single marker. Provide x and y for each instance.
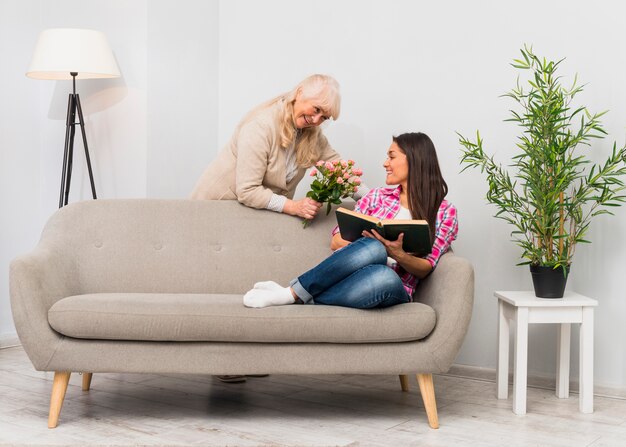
(334, 180)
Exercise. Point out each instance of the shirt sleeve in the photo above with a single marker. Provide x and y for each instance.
(445, 233)
(277, 203)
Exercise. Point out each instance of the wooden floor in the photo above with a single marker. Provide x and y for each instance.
(343, 410)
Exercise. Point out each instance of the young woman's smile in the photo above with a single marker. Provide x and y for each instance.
(396, 166)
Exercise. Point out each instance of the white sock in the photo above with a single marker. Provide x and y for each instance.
(268, 285)
(264, 298)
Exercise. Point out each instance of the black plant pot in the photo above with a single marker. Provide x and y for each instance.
(549, 282)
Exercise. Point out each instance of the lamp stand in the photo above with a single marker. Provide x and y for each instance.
(73, 106)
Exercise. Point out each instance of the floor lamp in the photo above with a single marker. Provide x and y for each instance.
(64, 53)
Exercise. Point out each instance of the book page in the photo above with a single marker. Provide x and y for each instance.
(359, 215)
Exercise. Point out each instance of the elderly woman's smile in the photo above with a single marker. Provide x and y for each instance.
(307, 113)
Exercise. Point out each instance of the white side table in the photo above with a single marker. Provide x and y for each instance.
(525, 308)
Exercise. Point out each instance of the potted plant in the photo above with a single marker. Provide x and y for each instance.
(555, 190)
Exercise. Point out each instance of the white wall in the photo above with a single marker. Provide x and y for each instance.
(403, 66)
(182, 94)
(20, 134)
(32, 121)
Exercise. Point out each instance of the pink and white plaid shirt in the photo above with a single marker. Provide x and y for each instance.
(384, 203)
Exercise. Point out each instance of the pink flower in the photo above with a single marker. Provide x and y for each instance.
(332, 177)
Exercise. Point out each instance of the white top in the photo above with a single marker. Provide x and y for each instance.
(528, 299)
(291, 167)
(403, 213)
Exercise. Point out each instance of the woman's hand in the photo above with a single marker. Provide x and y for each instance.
(394, 248)
(306, 208)
(419, 267)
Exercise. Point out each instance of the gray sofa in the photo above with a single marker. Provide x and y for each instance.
(155, 286)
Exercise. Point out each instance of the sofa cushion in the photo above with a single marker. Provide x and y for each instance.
(219, 317)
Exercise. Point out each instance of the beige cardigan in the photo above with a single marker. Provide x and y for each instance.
(252, 165)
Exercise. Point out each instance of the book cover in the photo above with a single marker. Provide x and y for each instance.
(416, 232)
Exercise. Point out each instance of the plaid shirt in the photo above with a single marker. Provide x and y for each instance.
(384, 203)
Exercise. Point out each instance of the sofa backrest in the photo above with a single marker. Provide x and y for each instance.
(184, 246)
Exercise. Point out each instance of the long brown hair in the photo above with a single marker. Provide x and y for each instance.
(426, 186)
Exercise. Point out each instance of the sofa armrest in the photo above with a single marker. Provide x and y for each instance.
(36, 281)
(450, 291)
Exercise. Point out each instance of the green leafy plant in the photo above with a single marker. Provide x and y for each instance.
(555, 190)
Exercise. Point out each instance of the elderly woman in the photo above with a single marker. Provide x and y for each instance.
(269, 152)
(271, 149)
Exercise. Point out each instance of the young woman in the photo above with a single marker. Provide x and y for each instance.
(271, 149)
(372, 271)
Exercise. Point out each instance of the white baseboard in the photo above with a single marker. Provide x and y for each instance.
(9, 340)
(534, 380)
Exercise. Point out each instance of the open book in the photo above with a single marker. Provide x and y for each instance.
(416, 232)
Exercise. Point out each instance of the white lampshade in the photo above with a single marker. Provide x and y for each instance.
(60, 51)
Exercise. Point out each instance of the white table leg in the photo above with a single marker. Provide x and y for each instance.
(502, 373)
(562, 360)
(586, 361)
(521, 360)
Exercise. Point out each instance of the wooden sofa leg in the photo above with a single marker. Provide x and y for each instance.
(86, 381)
(59, 386)
(404, 382)
(425, 382)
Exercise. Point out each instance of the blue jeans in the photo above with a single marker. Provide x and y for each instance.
(354, 276)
